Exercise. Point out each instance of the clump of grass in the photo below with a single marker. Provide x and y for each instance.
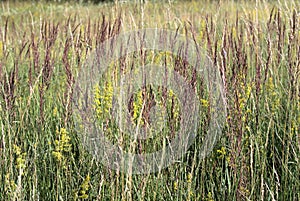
(254, 45)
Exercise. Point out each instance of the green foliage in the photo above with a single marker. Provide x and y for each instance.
(255, 46)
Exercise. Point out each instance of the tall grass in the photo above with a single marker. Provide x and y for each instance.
(255, 46)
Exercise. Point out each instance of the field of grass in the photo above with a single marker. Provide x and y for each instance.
(254, 45)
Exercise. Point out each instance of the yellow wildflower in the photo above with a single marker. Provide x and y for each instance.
(222, 152)
(204, 102)
(55, 112)
(209, 197)
(84, 187)
(62, 144)
(137, 107)
(189, 178)
(57, 155)
(20, 160)
(270, 88)
(103, 99)
(10, 184)
(17, 149)
(175, 185)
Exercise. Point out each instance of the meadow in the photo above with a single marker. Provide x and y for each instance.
(254, 45)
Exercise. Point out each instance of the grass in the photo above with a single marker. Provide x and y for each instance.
(254, 45)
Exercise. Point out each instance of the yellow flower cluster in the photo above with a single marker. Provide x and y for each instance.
(246, 94)
(103, 99)
(221, 152)
(62, 144)
(55, 112)
(137, 108)
(273, 95)
(209, 197)
(20, 160)
(204, 103)
(189, 178)
(243, 97)
(10, 185)
(175, 185)
(191, 193)
(84, 187)
(270, 87)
